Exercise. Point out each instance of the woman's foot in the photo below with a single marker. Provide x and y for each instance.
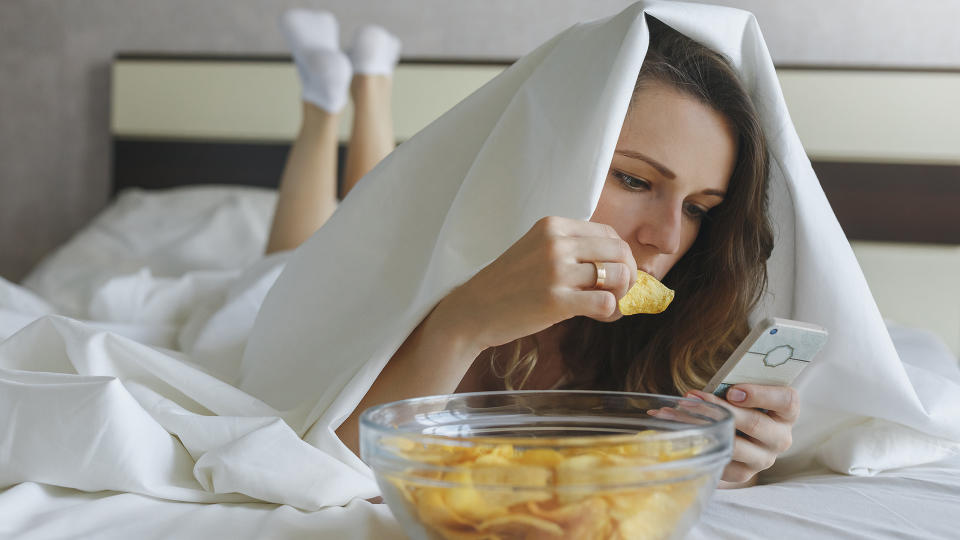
(374, 51)
(325, 71)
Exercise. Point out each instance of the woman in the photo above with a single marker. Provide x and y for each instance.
(684, 200)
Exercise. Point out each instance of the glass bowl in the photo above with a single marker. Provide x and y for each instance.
(546, 464)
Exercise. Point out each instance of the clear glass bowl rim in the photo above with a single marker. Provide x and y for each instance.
(394, 465)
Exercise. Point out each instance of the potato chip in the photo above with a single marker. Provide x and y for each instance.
(522, 526)
(546, 457)
(457, 534)
(647, 295)
(653, 514)
(487, 502)
(433, 509)
(511, 475)
(473, 504)
(586, 519)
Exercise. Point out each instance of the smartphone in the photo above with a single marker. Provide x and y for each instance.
(774, 353)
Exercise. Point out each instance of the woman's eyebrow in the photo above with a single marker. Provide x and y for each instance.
(660, 167)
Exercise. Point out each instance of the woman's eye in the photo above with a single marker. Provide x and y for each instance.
(696, 212)
(632, 182)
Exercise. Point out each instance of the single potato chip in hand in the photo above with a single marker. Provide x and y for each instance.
(647, 295)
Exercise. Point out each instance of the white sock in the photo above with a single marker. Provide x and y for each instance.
(325, 71)
(374, 51)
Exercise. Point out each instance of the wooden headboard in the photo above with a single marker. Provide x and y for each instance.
(885, 144)
(180, 120)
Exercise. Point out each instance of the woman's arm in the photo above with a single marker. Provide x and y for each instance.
(546, 277)
(432, 360)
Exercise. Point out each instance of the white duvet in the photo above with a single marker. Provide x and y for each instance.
(127, 406)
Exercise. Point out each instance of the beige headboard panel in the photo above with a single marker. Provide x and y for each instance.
(915, 285)
(259, 101)
(840, 115)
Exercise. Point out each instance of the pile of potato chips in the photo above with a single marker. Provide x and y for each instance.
(598, 489)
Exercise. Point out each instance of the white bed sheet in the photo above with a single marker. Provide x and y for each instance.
(35, 511)
(154, 287)
(919, 502)
(915, 502)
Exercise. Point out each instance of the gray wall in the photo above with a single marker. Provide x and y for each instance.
(55, 55)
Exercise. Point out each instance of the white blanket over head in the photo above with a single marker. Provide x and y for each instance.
(91, 410)
(538, 141)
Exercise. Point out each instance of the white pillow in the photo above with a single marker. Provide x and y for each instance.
(163, 234)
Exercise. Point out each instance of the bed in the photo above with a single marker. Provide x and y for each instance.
(199, 143)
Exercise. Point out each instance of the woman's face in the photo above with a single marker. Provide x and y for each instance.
(672, 164)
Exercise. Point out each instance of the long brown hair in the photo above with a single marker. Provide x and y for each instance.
(719, 280)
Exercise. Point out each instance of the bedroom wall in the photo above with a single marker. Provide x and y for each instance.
(54, 76)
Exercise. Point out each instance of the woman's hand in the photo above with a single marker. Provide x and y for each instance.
(546, 277)
(762, 435)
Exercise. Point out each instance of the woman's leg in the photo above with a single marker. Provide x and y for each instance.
(308, 187)
(372, 137)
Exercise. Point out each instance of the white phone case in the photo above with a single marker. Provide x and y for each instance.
(774, 353)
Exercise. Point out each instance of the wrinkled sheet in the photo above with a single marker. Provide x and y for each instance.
(919, 502)
(36, 511)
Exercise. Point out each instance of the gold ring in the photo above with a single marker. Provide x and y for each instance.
(601, 275)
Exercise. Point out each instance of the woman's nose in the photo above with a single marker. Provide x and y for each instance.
(662, 230)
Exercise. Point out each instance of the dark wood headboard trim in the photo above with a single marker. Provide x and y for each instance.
(286, 58)
(161, 164)
(868, 198)
(894, 202)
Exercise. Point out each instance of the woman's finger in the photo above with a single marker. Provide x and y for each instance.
(782, 401)
(755, 424)
(737, 473)
(590, 249)
(586, 241)
(677, 414)
(561, 226)
(755, 456)
(619, 278)
(758, 425)
(598, 304)
(700, 407)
